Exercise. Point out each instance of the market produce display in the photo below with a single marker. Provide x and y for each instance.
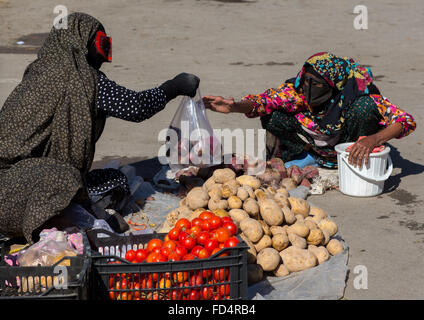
(284, 234)
(204, 237)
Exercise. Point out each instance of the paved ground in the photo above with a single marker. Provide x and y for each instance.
(240, 47)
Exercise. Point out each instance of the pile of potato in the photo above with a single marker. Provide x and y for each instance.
(284, 234)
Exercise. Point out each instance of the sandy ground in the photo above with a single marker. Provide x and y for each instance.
(240, 47)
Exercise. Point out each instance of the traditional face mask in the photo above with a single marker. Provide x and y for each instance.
(316, 91)
(100, 50)
(103, 45)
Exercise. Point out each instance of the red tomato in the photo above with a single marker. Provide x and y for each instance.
(226, 219)
(189, 256)
(207, 293)
(176, 295)
(231, 242)
(184, 287)
(180, 250)
(170, 244)
(155, 257)
(231, 226)
(211, 244)
(206, 274)
(222, 234)
(221, 274)
(202, 237)
(195, 231)
(196, 222)
(206, 225)
(215, 251)
(154, 243)
(194, 295)
(165, 252)
(130, 255)
(196, 280)
(215, 222)
(156, 250)
(189, 242)
(206, 215)
(203, 254)
(173, 234)
(224, 290)
(213, 235)
(183, 224)
(141, 255)
(182, 236)
(196, 250)
(173, 256)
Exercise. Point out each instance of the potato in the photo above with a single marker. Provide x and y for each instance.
(296, 259)
(265, 227)
(250, 181)
(254, 273)
(277, 229)
(299, 206)
(196, 213)
(238, 215)
(299, 218)
(284, 192)
(264, 242)
(326, 238)
(215, 193)
(281, 271)
(329, 226)
(334, 247)
(281, 199)
(214, 204)
(261, 195)
(183, 202)
(299, 228)
(271, 190)
(317, 212)
(250, 191)
(288, 184)
(221, 213)
(268, 259)
(280, 241)
(251, 228)
(242, 193)
(271, 212)
(321, 253)
(251, 252)
(197, 198)
(310, 223)
(228, 191)
(251, 207)
(223, 175)
(315, 237)
(288, 215)
(316, 219)
(234, 202)
(297, 241)
(208, 184)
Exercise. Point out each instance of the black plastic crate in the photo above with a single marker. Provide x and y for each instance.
(46, 282)
(113, 277)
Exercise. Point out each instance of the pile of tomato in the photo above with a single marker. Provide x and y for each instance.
(201, 238)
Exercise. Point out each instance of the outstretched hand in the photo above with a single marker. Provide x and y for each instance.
(219, 104)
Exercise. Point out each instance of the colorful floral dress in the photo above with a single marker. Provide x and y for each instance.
(358, 109)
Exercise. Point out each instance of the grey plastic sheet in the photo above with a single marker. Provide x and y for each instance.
(326, 281)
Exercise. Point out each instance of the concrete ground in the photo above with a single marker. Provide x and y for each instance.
(238, 47)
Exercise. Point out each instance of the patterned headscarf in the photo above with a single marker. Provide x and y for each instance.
(48, 130)
(350, 81)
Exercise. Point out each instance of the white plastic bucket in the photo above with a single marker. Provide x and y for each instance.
(364, 181)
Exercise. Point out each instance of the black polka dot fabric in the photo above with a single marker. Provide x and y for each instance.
(120, 102)
(100, 181)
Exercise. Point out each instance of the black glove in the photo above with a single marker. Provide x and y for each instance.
(184, 84)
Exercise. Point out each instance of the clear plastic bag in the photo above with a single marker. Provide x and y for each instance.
(190, 137)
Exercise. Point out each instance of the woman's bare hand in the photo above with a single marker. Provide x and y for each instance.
(219, 104)
(361, 150)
